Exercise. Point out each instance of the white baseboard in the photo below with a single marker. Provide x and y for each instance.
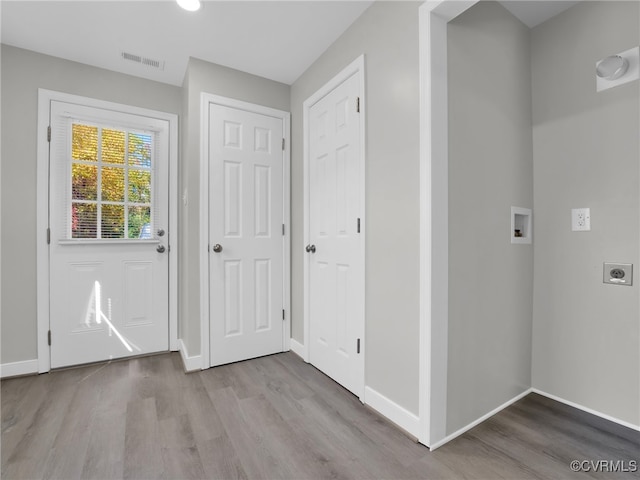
(14, 369)
(391, 410)
(298, 349)
(191, 363)
(587, 409)
(448, 438)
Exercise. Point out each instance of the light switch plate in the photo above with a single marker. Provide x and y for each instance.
(580, 219)
(618, 273)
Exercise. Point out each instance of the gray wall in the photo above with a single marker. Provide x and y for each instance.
(490, 170)
(206, 77)
(23, 72)
(387, 33)
(586, 336)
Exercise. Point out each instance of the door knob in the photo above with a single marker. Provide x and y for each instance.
(160, 249)
(311, 248)
(217, 248)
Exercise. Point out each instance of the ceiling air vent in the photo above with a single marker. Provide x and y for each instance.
(149, 62)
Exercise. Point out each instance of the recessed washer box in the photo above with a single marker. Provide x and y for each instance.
(521, 229)
(618, 273)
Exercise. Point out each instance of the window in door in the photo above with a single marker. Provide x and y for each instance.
(111, 179)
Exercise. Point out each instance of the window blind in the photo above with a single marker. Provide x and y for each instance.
(110, 178)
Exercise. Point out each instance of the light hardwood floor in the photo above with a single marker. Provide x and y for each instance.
(273, 418)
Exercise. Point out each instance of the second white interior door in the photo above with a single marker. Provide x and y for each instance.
(245, 234)
(336, 268)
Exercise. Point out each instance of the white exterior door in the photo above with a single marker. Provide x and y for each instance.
(245, 234)
(335, 251)
(108, 255)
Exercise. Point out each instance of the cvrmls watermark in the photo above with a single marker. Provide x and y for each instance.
(600, 466)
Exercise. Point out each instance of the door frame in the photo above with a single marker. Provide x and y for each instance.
(434, 217)
(45, 97)
(357, 66)
(206, 99)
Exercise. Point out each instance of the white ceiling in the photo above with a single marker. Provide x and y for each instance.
(533, 13)
(278, 40)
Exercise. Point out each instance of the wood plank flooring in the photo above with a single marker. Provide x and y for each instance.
(270, 418)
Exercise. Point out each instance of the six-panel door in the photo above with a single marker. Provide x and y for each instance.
(335, 265)
(245, 235)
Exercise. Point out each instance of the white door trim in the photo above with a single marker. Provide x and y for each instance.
(357, 66)
(205, 100)
(45, 97)
(434, 215)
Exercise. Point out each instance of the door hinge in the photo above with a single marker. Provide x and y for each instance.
(358, 225)
(283, 314)
(48, 236)
(358, 104)
(49, 133)
(283, 229)
(49, 337)
(358, 346)
(283, 144)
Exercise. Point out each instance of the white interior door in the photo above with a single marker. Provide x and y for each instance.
(335, 251)
(108, 229)
(246, 234)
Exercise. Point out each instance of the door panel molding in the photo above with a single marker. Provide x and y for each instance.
(357, 67)
(206, 100)
(45, 99)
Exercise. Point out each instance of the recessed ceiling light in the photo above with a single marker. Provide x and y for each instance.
(189, 5)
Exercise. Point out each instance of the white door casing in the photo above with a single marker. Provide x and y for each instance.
(245, 157)
(434, 157)
(334, 284)
(109, 298)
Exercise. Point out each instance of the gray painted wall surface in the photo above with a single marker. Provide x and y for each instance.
(23, 72)
(183, 220)
(490, 170)
(206, 77)
(586, 335)
(387, 33)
